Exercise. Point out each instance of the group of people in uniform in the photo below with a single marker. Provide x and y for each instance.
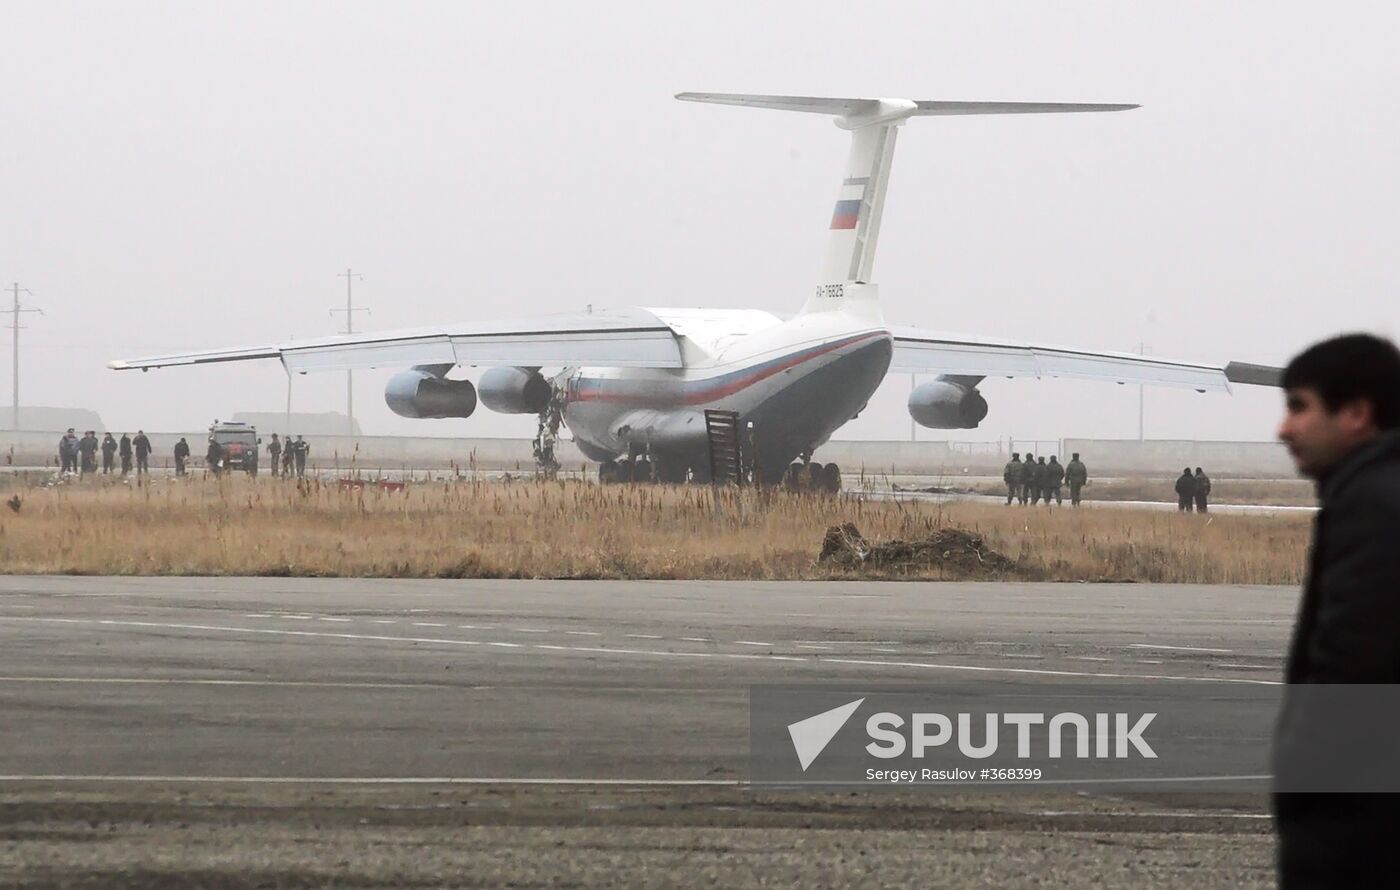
(1193, 491)
(1031, 481)
(289, 455)
(79, 455)
(1034, 479)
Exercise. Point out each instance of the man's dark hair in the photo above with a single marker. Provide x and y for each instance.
(1350, 367)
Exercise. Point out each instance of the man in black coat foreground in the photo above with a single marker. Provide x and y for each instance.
(1342, 426)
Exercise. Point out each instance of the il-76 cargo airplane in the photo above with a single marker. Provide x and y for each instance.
(635, 382)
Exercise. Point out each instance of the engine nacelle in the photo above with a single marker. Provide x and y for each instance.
(946, 405)
(514, 390)
(425, 393)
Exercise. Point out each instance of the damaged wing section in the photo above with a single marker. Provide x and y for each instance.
(626, 338)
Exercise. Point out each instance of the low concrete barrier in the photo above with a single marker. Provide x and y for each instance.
(1104, 457)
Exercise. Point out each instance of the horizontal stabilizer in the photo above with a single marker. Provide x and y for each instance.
(857, 108)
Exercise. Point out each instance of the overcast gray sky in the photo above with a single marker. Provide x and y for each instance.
(182, 175)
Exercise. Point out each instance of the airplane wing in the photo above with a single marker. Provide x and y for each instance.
(918, 350)
(615, 338)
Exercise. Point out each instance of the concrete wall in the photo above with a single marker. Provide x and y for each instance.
(1105, 457)
(1111, 457)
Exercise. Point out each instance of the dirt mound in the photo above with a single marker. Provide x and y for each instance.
(955, 551)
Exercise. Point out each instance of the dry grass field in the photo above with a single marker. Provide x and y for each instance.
(527, 529)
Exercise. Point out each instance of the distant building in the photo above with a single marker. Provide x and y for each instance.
(41, 419)
(328, 423)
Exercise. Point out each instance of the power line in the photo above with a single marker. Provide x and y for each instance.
(15, 312)
(350, 309)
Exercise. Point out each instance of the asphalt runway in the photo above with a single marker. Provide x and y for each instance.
(304, 732)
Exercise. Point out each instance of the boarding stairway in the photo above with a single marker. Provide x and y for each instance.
(726, 462)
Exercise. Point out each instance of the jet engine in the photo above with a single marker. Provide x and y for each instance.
(425, 392)
(514, 390)
(948, 404)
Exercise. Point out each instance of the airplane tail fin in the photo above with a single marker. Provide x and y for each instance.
(855, 221)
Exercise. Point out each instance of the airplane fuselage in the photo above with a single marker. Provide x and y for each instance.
(795, 381)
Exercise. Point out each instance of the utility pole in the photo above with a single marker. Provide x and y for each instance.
(16, 311)
(287, 422)
(1142, 350)
(349, 310)
(912, 436)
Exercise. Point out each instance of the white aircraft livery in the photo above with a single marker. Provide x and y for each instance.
(633, 384)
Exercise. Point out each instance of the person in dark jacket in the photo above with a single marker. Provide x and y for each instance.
(1202, 490)
(1054, 480)
(68, 451)
(1342, 427)
(182, 455)
(301, 448)
(214, 457)
(124, 449)
(109, 452)
(1185, 491)
(87, 451)
(1040, 475)
(143, 452)
(1012, 477)
(1027, 477)
(1077, 475)
(274, 451)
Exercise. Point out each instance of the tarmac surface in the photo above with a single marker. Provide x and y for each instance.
(258, 732)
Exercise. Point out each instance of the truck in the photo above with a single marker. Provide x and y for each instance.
(238, 445)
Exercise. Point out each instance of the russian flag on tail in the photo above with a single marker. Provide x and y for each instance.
(846, 215)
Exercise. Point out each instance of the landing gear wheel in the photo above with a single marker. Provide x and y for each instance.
(641, 471)
(671, 472)
(792, 479)
(812, 477)
(607, 473)
(831, 478)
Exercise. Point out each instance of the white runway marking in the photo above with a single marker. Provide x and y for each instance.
(327, 618)
(685, 639)
(530, 630)
(385, 621)
(578, 633)
(368, 780)
(428, 624)
(1086, 658)
(1179, 648)
(178, 681)
(1047, 672)
(1172, 814)
(257, 616)
(751, 643)
(642, 636)
(816, 660)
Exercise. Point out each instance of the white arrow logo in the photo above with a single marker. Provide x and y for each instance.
(811, 736)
